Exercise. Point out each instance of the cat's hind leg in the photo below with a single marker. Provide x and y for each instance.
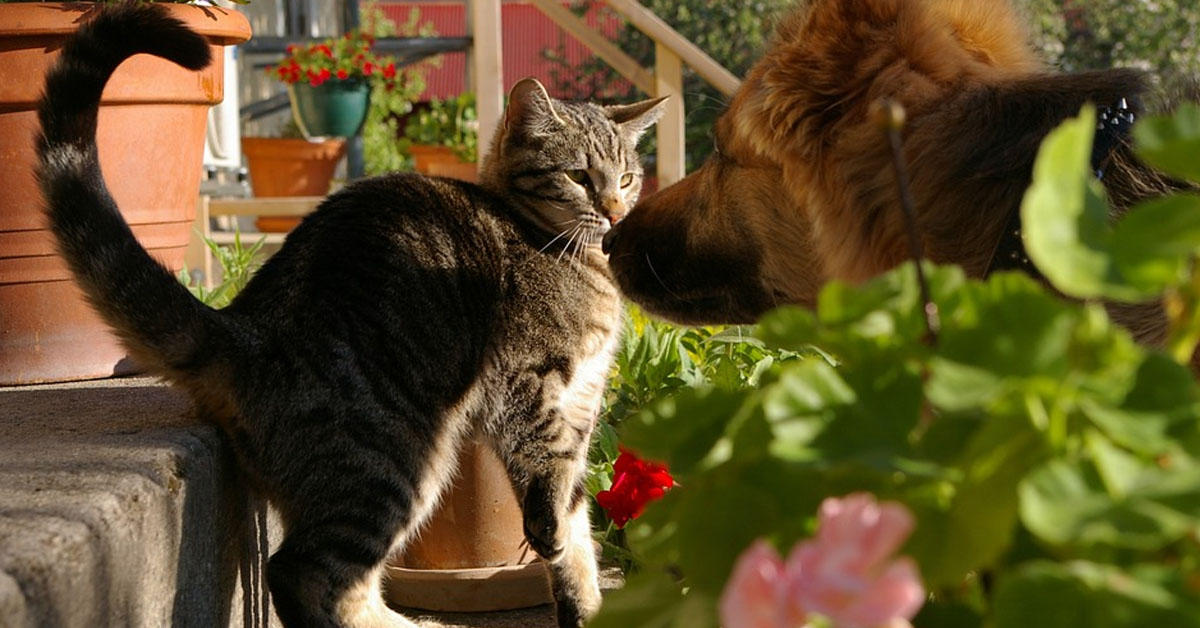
(327, 571)
(350, 507)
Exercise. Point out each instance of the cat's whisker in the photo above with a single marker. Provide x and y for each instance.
(550, 243)
(574, 232)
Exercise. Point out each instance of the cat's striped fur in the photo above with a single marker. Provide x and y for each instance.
(403, 316)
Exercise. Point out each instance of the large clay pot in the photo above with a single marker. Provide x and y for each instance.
(471, 555)
(151, 140)
(290, 167)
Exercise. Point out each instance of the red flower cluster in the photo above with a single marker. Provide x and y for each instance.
(347, 57)
(635, 484)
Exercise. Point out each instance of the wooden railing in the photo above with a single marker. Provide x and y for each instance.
(671, 52)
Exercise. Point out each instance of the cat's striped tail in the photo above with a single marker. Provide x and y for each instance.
(156, 317)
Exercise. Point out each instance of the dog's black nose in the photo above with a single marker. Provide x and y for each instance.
(607, 243)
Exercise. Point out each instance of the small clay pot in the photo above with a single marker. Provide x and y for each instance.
(440, 161)
(290, 167)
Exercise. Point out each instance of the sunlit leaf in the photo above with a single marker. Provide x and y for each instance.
(1088, 595)
(1172, 143)
(1064, 217)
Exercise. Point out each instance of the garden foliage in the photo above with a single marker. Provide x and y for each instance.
(384, 150)
(237, 261)
(1052, 464)
(452, 123)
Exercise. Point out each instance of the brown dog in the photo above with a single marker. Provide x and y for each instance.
(801, 188)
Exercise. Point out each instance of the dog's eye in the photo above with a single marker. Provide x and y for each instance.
(578, 176)
(627, 179)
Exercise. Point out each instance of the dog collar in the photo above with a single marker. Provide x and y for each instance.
(1112, 127)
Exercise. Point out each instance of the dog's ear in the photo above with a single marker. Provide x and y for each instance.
(530, 110)
(1002, 125)
(636, 118)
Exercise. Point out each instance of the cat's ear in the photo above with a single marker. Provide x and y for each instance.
(636, 118)
(530, 109)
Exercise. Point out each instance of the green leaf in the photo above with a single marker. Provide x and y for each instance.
(789, 327)
(969, 524)
(1064, 217)
(734, 513)
(682, 430)
(1067, 505)
(942, 614)
(1008, 326)
(1172, 143)
(649, 599)
(605, 442)
(806, 388)
(1088, 595)
(1154, 242)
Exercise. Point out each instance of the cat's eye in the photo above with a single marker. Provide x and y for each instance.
(578, 176)
(627, 179)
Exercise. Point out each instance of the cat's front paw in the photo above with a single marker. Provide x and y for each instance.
(545, 530)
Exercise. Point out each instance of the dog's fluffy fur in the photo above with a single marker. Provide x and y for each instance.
(801, 188)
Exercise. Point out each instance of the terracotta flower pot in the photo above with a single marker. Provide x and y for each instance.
(471, 555)
(290, 167)
(440, 161)
(151, 141)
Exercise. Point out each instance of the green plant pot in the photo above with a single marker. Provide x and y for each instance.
(335, 108)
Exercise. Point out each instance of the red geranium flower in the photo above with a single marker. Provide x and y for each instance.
(636, 483)
(347, 58)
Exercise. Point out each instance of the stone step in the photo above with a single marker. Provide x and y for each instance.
(118, 509)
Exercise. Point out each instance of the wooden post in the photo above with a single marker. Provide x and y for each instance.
(595, 41)
(668, 79)
(486, 67)
(197, 255)
(663, 35)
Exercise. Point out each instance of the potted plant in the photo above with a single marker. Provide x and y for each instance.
(444, 137)
(331, 85)
(151, 142)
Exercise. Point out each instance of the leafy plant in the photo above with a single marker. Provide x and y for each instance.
(1052, 464)
(655, 361)
(452, 122)
(238, 263)
(384, 147)
(1159, 36)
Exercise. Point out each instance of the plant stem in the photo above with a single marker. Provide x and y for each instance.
(890, 116)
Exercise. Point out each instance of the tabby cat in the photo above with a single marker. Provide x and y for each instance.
(403, 316)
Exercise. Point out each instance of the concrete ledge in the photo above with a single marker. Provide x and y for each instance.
(117, 509)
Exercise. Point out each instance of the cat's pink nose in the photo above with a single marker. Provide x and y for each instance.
(614, 209)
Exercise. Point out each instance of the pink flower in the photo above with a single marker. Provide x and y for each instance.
(846, 574)
(757, 593)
